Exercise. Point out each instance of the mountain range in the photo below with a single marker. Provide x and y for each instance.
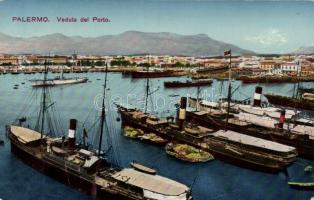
(127, 43)
(305, 50)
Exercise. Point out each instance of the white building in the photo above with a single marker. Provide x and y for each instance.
(289, 68)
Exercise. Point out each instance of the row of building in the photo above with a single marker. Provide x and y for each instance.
(283, 65)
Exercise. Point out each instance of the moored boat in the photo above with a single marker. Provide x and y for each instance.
(243, 150)
(302, 185)
(277, 129)
(187, 153)
(290, 101)
(134, 133)
(58, 81)
(178, 84)
(156, 73)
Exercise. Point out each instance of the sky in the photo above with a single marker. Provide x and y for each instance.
(261, 26)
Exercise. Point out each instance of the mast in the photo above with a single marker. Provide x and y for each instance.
(299, 77)
(297, 95)
(44, 102)
(198, 90)
(102, 117)
(61, 72)
(229, 89)
(147, 84)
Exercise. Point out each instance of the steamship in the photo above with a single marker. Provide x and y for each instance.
(178, 84)
(229, 146)
(85, 169)
(296, 101)
(290, 101)
(156, 73)
(256, 123)
(59, 80)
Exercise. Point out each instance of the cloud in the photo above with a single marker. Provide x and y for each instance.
(270, 37)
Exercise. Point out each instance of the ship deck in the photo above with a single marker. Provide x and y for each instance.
(25, 135)
(253, 141)
(152, 183)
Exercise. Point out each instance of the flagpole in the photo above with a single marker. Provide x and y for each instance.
(229, 92)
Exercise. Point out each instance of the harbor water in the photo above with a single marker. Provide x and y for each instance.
(212, 180)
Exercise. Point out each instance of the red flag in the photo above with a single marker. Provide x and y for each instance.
(226, 53)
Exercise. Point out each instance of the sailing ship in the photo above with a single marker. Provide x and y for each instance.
(85, 169)
(59, 80)
(229, 146)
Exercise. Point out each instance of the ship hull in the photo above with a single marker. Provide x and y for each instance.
(79, 183)
(220, 154)
(299, 142)
(290, 102)
(154, 74)
(302, 186)
(213, 69)
(177, 84)
(40, 83)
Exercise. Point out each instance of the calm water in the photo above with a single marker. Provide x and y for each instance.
(213, 180)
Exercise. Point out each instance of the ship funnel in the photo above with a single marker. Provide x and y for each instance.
(257, 96)
(72, 131)
(282, 118)
(182, 112)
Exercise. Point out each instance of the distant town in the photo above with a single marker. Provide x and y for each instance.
(248, 66)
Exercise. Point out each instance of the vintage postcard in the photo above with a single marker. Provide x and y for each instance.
(156, 99)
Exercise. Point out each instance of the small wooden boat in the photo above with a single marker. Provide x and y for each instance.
(143, 168)
(302, 185)
(153, 138)
(131, 132)
(187, 153)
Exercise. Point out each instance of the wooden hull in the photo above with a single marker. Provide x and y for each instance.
(218, 152)
(41, 83)
(303, 145)
(302, 186)
(290, 102)
(65, 176)
(176, 84)
(156, 74)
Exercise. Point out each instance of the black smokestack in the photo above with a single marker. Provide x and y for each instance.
(182, 112)
(257, 96)
(72, 132)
